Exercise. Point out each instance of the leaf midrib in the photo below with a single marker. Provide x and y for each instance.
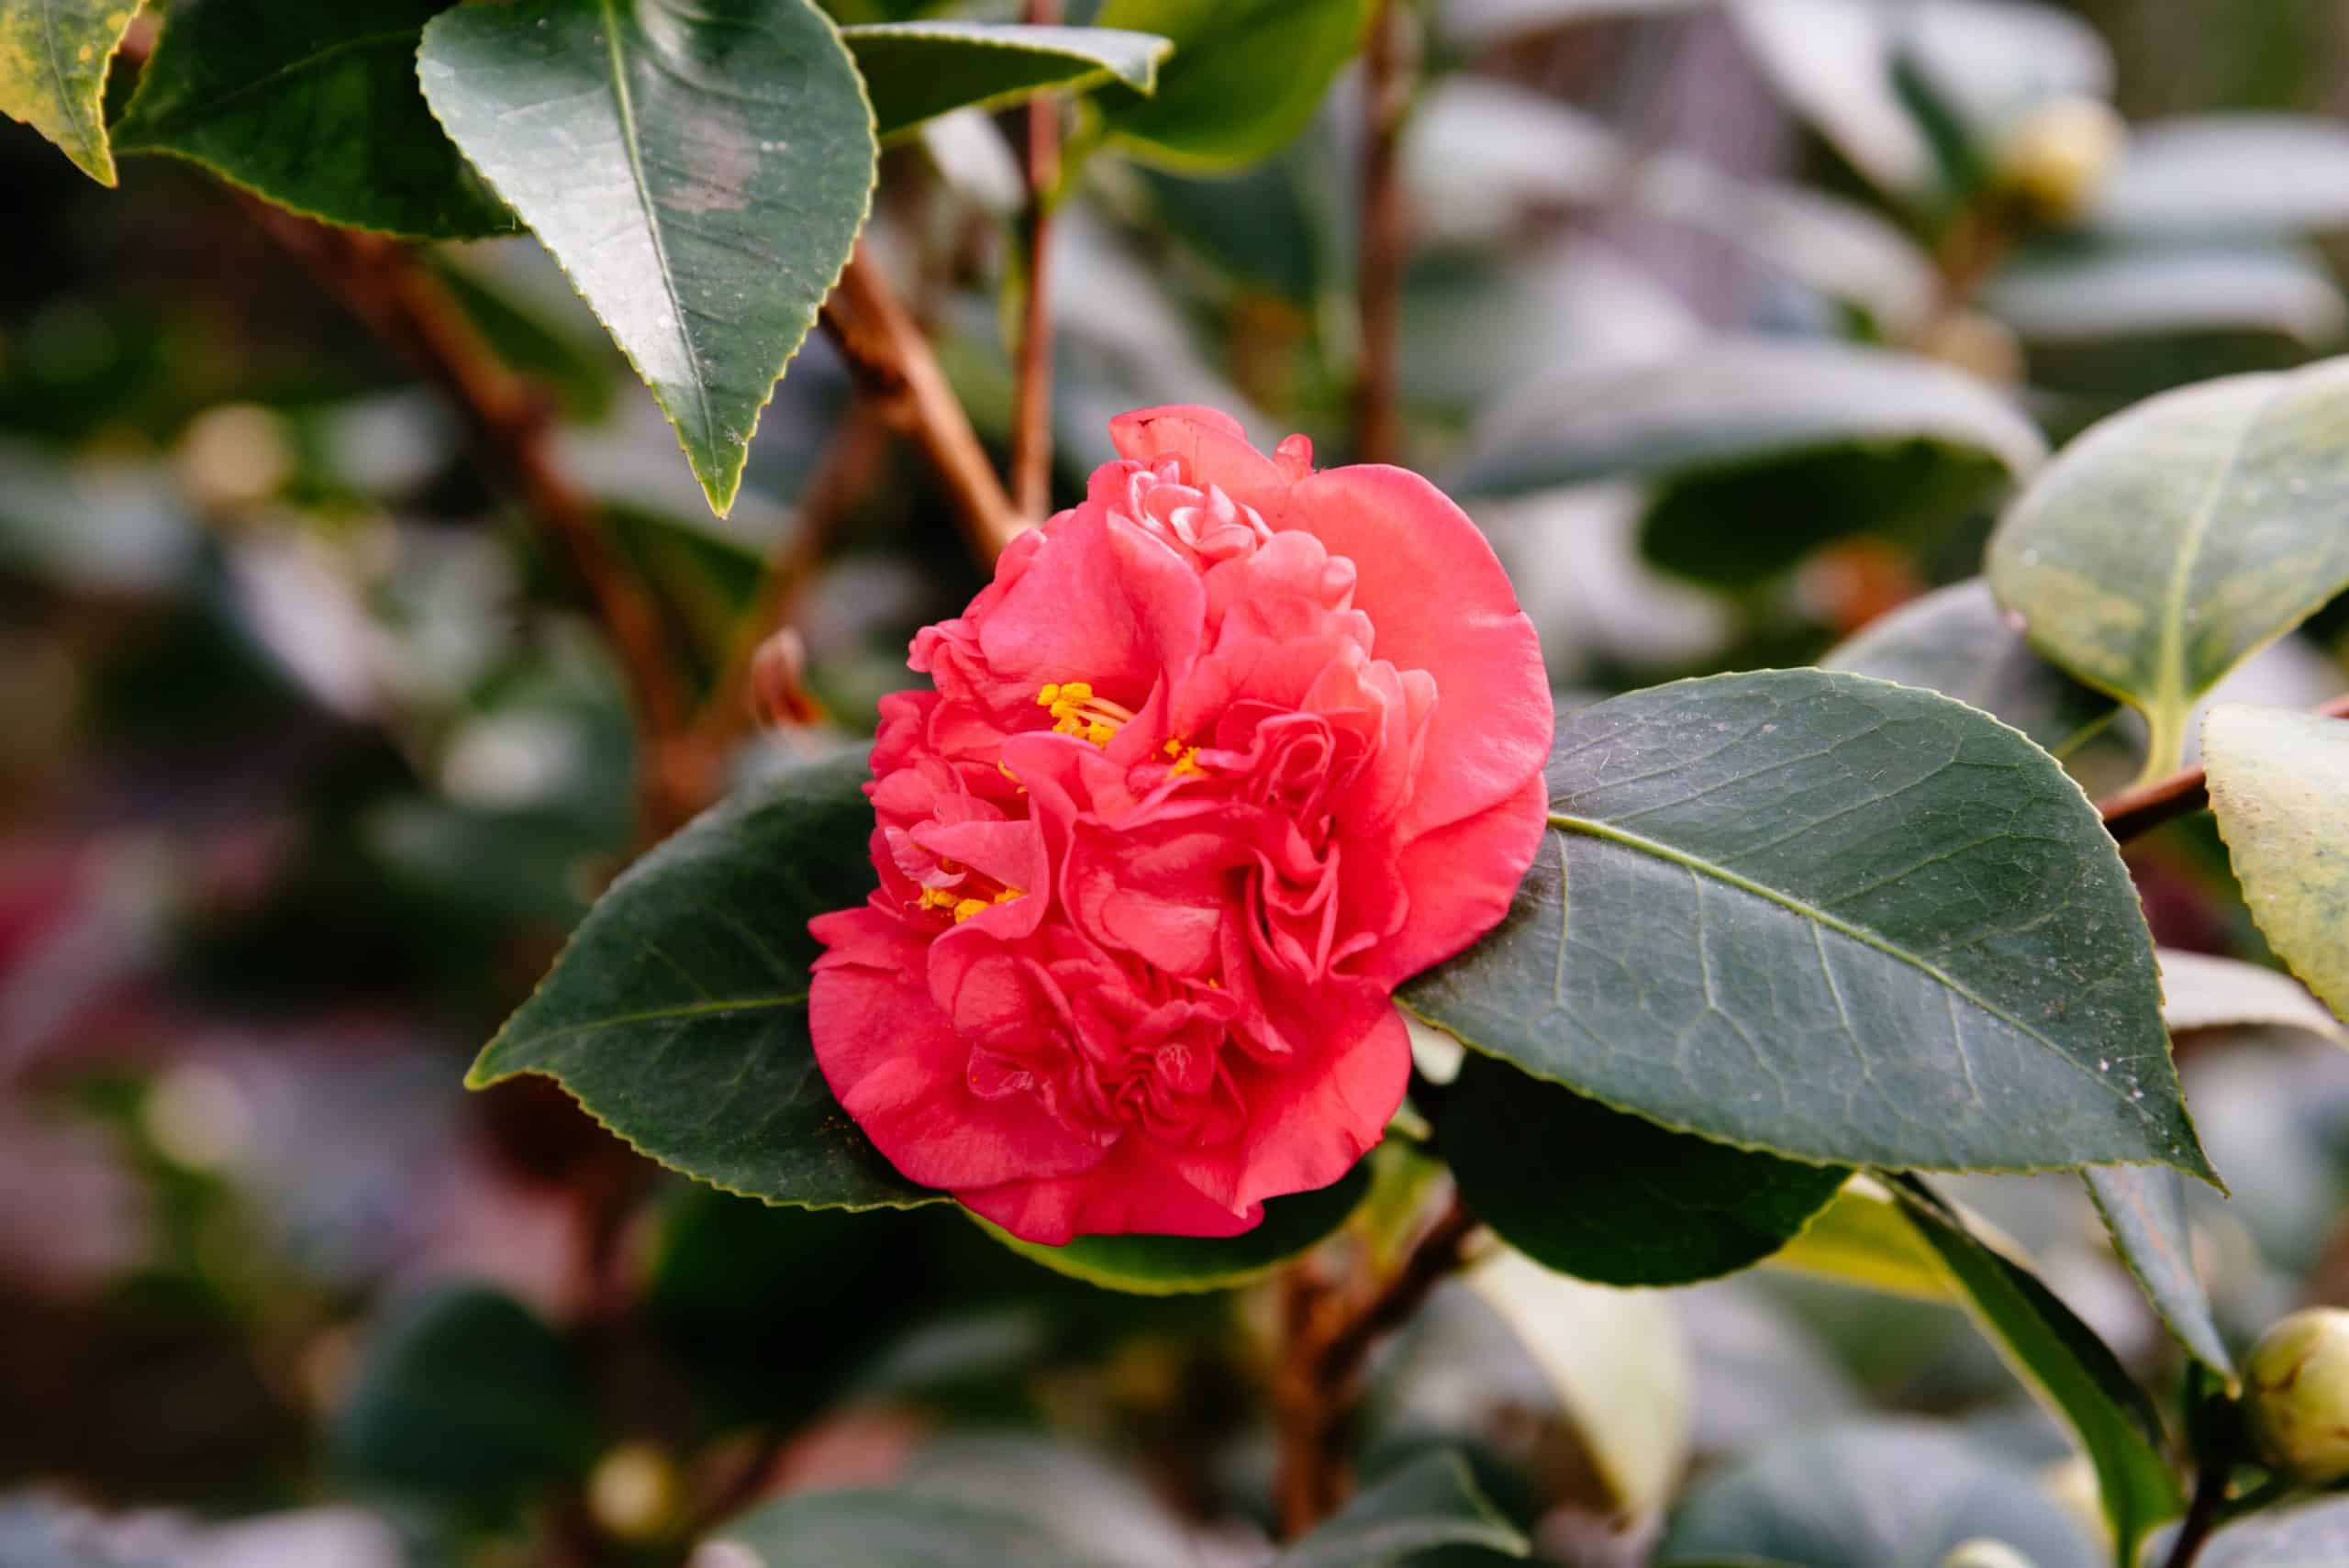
(658, 1014)
(626, 103)
(1592, 827)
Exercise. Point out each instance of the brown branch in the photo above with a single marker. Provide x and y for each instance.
(1032, 412)
(1329, 1343)
(831, 496)
(2141, 809)
(894, 365)
(1386, 91)
(381, 282)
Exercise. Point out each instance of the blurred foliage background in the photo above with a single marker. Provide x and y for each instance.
(1727, 322)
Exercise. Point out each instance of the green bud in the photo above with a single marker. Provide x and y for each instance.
(1984, 1554)
(2296, 1396)
(2056, 158)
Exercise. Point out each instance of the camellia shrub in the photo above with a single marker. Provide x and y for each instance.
(1229, 903)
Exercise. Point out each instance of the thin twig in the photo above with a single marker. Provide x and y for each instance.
(2202, 1517)
(381, 282)
(1330, 1343)
(1386, 91)
(1032, 412)
(2141, 809)
(894, 365)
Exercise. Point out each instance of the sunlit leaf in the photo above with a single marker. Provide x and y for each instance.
(2230, 174)
(2200, 991)
(53, 59)
(914, 71)
(2169, 543)
(1864, 1239)
(2279, 784)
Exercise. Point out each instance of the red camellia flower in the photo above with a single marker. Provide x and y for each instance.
(1220, 757)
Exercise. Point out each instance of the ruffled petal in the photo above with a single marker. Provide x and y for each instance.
(1309, 1123)
(1459, 881)
(893, 1061)
(1214, 449)
(1433, 587)
(1127, 1193)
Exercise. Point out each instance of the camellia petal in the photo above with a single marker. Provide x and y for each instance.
(1221, 756)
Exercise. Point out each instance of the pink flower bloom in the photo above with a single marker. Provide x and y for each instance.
(1220, 757)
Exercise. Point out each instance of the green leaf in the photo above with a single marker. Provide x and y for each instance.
(2104, 293)
(1871, 1495)
(915, 70)
(464, 1392)
(1179, 1266)
(2143, 1208)
(678, 1014)
(2230, 174)
(1862, 1238)
(890, 1528)
(1429, 1503)
(1613, 1198)
(1246, 77)
(315, 107)
(2064, 1363)
(700, 173)
(1763, 449)
(1830, 918)
(1955, 641)
(53, 59)
(2172, 542)
(2280, 785)
(2200, 991)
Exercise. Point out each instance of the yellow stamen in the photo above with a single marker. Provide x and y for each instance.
(968, 908)
(1076, 711)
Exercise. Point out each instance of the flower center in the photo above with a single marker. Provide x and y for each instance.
(1076, 711)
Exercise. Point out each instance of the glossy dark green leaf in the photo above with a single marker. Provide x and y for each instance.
(678, 1012)
(701, 173)
(2280, 785)
(1429, 1503)
(1245, 77)
(1955, 641)
(1873, 1495)
(465, 1393)
(1832, 918)
(1614, 1198)
(1177, 1265)
(53, 59)
(914, 71)
(2062, 1362)
(889, 1527)
(2144, 1211)
(315, 107)
(2172, 542)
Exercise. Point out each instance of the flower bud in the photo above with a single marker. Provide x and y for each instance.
(1985, 1553)
(2055, 157)
(2296, 1396)
(634, 1493)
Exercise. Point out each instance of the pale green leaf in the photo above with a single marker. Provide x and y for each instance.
(1245, 77)
(2279, 784)
(2172, 542)
(53, 59)
(915, 70)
